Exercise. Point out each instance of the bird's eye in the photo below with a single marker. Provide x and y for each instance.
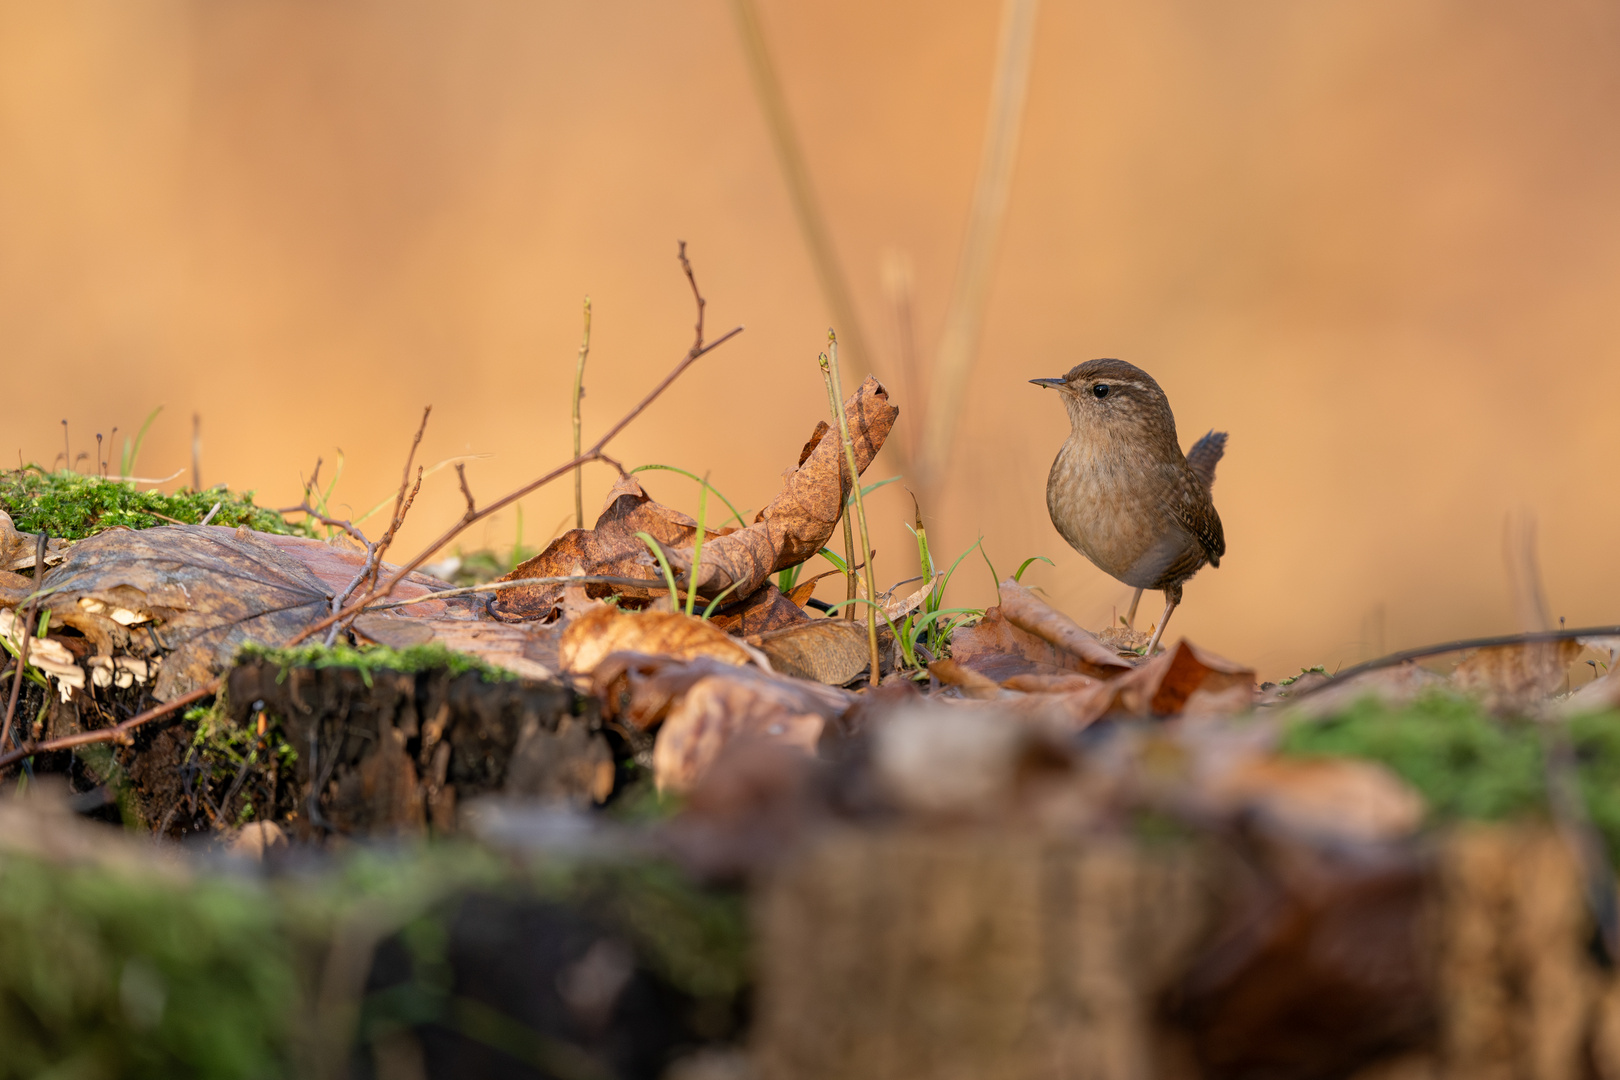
(1100, 390)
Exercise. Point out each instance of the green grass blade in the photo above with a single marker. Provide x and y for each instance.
(663, 562)
(697, 547)
(725, 592)
(694, 476)
(131, 455)
(1019, 577)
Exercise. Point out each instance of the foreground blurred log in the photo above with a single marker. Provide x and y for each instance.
(909, 953)
(913, 952)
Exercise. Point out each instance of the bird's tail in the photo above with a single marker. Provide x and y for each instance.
(1206, 454)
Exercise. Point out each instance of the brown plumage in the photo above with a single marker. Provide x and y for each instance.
(1122, 493)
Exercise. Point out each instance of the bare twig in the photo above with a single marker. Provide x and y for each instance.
(27, 635)
(595, 453)
(466, 492)
(579, 392)
(369, 572)
(118, 733)
(697, 338)
(650, 584)
(860, 510)
(1394, 659)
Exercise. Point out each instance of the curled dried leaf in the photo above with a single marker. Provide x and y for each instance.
(799, 521)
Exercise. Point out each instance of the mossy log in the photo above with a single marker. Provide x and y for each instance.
(384, 751)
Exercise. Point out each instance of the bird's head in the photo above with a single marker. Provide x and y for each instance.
(1111, 398)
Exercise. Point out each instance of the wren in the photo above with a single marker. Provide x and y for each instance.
(1122, 493)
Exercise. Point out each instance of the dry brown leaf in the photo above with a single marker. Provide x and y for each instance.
(1389, 686)
(593, 636)
(1181, 678)
(726, 707)
(998, 650)
(1025, 610)
(799, 521)
(1515, 677)
(898, 608)
(193, 592)
(765, 609)
(1123, 639)
(395, 632)
(611, 548)
(1051, 684)
(967, 680)
(831, 651)
(336, 566)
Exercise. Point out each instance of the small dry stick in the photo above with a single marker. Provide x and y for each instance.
(579, 392)
(118, 733)
(29, 623)
(369, 572)
(595, 453)
(860, 507)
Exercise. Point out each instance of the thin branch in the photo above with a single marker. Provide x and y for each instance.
(118, 733)
(466, 492)
(697, 339)
(1394, 659)
(593, 454)
(650, 584)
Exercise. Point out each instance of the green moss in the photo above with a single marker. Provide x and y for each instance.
(1470, 765)
(73, 506)
(104, 974)
(417, 658)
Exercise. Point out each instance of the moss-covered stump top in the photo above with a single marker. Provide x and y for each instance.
(72, 506)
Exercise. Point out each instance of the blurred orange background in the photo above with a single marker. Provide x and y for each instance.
(1377, 241)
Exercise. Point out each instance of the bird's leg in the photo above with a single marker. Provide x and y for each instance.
(1130, 616)
(1172, 597)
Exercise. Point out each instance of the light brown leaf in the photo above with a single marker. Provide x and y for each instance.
(726, 707)
(831, 651)
(594, 635)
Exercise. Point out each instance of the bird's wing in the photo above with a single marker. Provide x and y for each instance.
(1205, 455)
(1190, 506)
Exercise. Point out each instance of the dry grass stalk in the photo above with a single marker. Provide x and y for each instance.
(795, 171)
(579, 392)
(831, 358)
(971, 293)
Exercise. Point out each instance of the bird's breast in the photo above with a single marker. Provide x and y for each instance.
(1101, 503)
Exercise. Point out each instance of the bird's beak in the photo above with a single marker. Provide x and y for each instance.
(1056, 384)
